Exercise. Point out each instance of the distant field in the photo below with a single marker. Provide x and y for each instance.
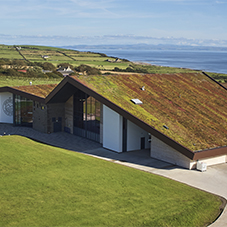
(11, 81)
(42, 185)
(9, 52)
(57, 56)
(75, 58)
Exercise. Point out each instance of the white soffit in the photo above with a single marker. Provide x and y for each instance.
(137, 101)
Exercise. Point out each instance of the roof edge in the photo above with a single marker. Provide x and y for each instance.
(214, 152)
(22, 93)
(214, 80)
(56, 90)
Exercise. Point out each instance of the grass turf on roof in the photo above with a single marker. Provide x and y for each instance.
(191, 105)
(37, 90)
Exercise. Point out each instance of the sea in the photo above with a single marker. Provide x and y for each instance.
(209, 61)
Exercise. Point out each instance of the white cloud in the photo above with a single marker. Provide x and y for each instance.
(105, 40)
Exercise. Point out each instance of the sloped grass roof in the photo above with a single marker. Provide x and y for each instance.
(191, 105)
(38, 90)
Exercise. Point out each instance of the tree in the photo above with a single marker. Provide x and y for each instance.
(36, 71)
(19, 64)
(48, 66)
(54, 74)
(10, 72)
(65, 65)
(88, 70)
(4, 61)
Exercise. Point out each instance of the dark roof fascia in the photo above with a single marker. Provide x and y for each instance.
(56, 89)
(23, 94)
(214, 80)
(210, 153)
(172, 143)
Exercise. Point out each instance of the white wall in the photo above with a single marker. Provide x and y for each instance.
(6, 107)
(112, 130)
(213, 161)
(134, 135)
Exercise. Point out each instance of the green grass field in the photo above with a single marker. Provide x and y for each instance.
(11, 81)
(42, 185)
(58, 55)
(75, 58)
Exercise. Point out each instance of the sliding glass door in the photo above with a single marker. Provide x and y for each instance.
(86, 116)
(23, 113)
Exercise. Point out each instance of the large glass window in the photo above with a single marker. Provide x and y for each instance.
(23, 111)
(86, 116)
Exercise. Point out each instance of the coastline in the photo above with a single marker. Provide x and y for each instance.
(199, 60)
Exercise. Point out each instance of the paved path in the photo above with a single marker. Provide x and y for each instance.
(214, 180)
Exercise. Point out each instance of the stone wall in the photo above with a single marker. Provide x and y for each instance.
(40, 117)
(55, 116)
(164, 152)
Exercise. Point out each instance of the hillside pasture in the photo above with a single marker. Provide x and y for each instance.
(17, 81)
(59, 55)
(9, 53)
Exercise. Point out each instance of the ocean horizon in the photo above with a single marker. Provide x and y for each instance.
(209, 61)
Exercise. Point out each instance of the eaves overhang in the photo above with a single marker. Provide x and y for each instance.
(210, 153)
(22, 93)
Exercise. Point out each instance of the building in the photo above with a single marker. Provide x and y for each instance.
(181, 118)
(65, 71)
(45, 56)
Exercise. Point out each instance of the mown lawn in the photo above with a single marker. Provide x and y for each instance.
(47, 186)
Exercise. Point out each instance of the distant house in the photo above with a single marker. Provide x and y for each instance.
(45, 56)
(65, 71)
(113, 60)
(180, 118)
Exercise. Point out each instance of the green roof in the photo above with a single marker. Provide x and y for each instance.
(41, 90)
(190, 108)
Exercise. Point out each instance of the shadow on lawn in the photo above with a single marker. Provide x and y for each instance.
(83, 145)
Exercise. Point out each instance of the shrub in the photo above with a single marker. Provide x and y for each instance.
(54, 74)
(88, 70)
(65, 65)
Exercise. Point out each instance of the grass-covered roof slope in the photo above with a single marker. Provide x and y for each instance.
(38, 90)
(189, 108)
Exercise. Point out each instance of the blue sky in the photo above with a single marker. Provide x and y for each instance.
(71, 22)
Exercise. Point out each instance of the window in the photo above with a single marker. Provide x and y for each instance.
(86, 116)
(23, 111)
